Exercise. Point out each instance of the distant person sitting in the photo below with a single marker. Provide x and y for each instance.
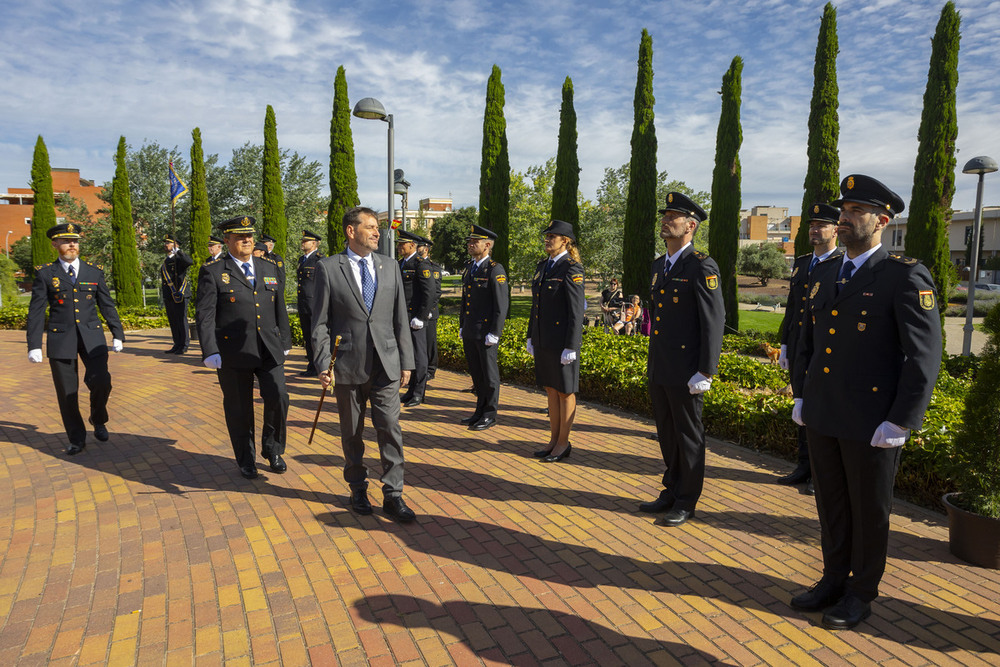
(611, 303)
(632, 316)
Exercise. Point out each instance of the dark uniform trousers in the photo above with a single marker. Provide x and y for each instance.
(431, 326)
(869, 352)
(66, 378)
(419, 291)
(686, 338)
(173, 275)
(305, 275)
(485, 302)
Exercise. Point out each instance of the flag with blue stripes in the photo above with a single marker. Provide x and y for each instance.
(177, 187)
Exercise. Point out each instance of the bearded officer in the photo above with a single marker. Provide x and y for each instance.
(862, 378)
(418, 289)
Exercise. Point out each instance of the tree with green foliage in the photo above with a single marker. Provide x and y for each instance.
(762, 260)
(275, 223)
(20, 254)
(723, 237)
(448, 234)
(8, 285)
(602, 223)
(532, 197)
(201, 215)
(640, 209)
(494, 171)
(934, 171)
(566, 185)
(43, 213)
(343, 175)
(822, 183)
(125, 272)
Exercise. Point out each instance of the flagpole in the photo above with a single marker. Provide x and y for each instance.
(173, 227)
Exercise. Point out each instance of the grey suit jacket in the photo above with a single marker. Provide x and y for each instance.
(339, 310)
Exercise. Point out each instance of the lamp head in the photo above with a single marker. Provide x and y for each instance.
(371, 108)
(980, 165)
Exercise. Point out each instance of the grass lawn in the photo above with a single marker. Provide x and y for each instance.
(762, 320)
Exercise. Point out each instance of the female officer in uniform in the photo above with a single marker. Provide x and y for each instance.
(555, 330)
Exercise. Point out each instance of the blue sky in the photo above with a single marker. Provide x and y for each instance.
(82, 74)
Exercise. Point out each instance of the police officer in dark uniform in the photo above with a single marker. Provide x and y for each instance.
(215, 247)
(862, 378)
(305, 275)
(433, 313)
(419, 289)
(823, 238)
(244, 334)
(485, 301)
(175, 291)
(555, 333)
(74, 290)
(273, 256)
(684, 347)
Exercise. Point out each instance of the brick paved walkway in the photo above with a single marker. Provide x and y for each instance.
(151, 549)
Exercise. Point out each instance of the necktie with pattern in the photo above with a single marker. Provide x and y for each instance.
(666, 267)
(72, 274)
(845, 275)
(249, 274)
(367, 284)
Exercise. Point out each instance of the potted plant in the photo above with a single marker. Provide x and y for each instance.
(974, 511)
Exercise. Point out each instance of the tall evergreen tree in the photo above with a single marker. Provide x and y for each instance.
(43, 213)
(275, 222)
(125, 272)
(201, 216)
(639, 238)
(343, 176)
(565, 188)
(724, 232)
(822, 183)
(934, 172)
(494, 172)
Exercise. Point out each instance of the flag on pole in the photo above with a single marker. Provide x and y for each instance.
(177, 187)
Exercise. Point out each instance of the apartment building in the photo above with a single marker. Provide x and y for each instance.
(17, 204)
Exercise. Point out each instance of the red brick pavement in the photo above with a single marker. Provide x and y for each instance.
(151, 549)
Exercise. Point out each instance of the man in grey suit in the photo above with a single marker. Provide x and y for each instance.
(359, 299)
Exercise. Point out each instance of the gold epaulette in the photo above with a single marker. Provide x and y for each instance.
(268, 259)
(701, 256)
(213, 261)
(902, 259)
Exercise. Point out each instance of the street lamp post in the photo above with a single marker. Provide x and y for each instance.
(981, 165)
(371, 108)
(6, 241)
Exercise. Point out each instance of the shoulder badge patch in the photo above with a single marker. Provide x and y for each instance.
(437, 275)
(815, 289)
(55, 282)
(501, 279)
(577, 278)
(712, 282)
(927, 299)
(427, 273)
(225, 278)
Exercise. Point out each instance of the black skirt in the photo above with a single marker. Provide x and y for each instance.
(550, 373)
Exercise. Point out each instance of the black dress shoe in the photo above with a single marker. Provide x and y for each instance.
(75, 448)
(661, 504)
(278, 464)
(556, 458)
(676, 517)
(172, 350)
(809, 489)
(820, 596)
(542, 453)
(360, 502)
(797, 476)
(413, 402)
(249, 472)
(397, 509)
(470, 420)
(847, 613)
(100, 431)
(483, 424)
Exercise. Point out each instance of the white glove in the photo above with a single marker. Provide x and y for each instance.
(568, 356)
(889, 435)
(287, 352)
(529, 347)
(783, 357)
(416, 324)
(460, 333)
(491, 340)
(116, 345)
(699, 384)
(213, 361)
(797, 412)
(35, 356)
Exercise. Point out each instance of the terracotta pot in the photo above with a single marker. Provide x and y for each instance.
(972, 537)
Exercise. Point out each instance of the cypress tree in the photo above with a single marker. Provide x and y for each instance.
(124, 250)
(275, 222)
(724, 231)
(343, 176)
(822, 183)
(43, 213)
(566, 184)
(934, 172)
(494, 172)
(640, 207)
(201, 216)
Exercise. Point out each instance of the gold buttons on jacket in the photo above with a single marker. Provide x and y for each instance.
(826, 370)
(828, 350)
(874, 388)
(833, 312)
(655, 331)
(833, 331)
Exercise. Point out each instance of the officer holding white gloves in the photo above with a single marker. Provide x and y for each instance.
(74, 291)
(863, 374)
(685, 342)
(555, 333)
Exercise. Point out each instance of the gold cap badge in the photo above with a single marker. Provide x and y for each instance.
(850, 182)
